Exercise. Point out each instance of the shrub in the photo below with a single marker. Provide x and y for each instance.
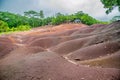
(23, 28)
(3, 26)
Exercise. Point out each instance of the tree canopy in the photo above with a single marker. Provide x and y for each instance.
(34, 19)
(110, 5)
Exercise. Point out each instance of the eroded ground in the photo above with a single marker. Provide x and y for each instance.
(64, 52)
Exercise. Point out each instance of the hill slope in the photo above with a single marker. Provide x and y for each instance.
(63, 52)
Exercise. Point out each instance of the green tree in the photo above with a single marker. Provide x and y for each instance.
(60, 18)
(13, 20)
(41, 14)
(30, 13)
(110, 5)
(35, 19)
(115, 18)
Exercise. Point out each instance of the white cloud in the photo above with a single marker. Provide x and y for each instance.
(50, 7)
(92, 7)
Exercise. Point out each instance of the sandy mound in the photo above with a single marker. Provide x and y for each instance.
(63, 52)
(70, 46)
(49, 66)
(112, 61)
(6, 46)
(95, 51)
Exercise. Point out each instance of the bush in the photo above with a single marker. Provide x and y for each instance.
(3, 26)
(22, 28)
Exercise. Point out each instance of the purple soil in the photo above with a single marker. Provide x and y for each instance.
(63, 52)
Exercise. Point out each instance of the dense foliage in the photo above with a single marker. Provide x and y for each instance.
(110, 5)
(3, 26)
(115, 18)
(34, 19)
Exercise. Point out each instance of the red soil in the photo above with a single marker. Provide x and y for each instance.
(63, 52)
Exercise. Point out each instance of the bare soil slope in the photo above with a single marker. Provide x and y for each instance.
(63, 52)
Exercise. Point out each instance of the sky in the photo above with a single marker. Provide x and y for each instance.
(92, 7)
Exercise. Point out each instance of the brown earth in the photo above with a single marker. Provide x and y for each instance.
(63, 52)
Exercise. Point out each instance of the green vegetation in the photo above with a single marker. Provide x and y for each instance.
(110, 5)
(15, 22)
(31, 19)
(115, 18)
(3, 26)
